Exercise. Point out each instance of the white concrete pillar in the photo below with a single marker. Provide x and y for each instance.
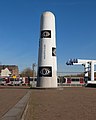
(47, 63)
(92, 70)
(86, 69)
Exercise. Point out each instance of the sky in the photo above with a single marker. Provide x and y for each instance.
(20, 31)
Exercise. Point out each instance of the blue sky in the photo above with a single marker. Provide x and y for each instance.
(20, 31)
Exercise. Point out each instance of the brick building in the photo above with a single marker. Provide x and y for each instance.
(12, 68)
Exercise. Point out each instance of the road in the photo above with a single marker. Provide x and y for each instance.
(9, 96)
(62, 104)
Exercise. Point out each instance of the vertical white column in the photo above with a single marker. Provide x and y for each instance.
(92, 70)
(47, 64)
(86, 69)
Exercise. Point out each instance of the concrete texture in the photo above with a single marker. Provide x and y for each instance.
(77, 103)
(17, 111)
(13, 101)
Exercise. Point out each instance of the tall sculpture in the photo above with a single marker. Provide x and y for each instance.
(47, 63)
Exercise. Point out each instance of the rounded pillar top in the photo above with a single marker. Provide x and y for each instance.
(47, 21)
(48, 13)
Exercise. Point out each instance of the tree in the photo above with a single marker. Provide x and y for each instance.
(27, 72)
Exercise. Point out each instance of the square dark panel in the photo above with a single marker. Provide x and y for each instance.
(45, 71)
(45, 34)
(53, 51)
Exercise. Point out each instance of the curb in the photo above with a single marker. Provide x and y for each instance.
(18, 110)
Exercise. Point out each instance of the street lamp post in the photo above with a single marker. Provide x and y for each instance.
(33, 67)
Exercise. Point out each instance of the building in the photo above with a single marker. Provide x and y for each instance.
(12, 68)
(5, 72)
